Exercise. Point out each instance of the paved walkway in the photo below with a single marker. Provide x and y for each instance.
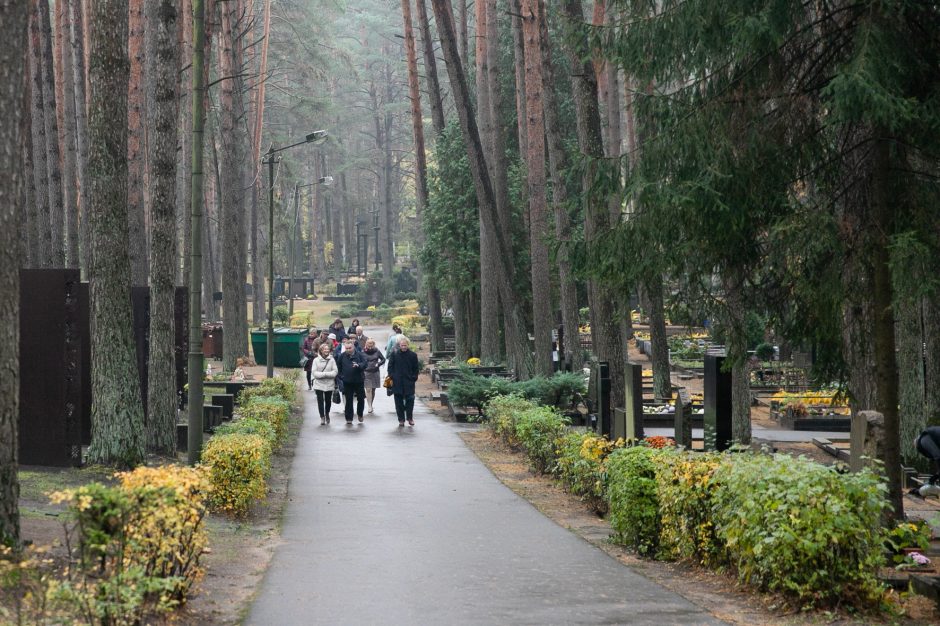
(389, 525)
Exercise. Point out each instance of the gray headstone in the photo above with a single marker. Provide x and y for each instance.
(633, 399)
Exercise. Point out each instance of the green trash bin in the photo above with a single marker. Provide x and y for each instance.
(287, 342)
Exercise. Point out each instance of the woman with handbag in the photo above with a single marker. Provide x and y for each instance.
(324, 372)
(374, 361)
(308, 353)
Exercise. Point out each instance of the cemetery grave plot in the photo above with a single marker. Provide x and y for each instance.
(811, 410)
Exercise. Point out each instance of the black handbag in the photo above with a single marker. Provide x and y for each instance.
(336, 397)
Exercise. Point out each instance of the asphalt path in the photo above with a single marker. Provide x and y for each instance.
(389, 525)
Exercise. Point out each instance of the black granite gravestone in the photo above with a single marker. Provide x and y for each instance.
(633, 399)
(50, 428)
(599, 396)
(717, 403)
(683, 434)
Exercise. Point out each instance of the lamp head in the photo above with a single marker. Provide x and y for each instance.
(326, 181)
(317, 137)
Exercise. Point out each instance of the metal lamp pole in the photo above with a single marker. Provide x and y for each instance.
(375, 227)
(315, 137)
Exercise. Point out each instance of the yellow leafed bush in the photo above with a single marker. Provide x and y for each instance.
(237, 465)
(270, 409)
(279, 386)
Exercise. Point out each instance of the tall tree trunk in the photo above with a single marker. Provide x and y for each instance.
(232, 209)
(184, 168)
(77, 44)
(518, 47)
(257, 259)
(463, 32)
(458, 301)
(931, 317)
(162, 69)
(558, 165)
(195, 356)
(662, 386)
(43, 222)
(117, 414)
(30, 210)
(520, 355)
(136, 210)
(437, 120)
(489, 289)
(912, 406)
(535, 168)
(13, 24)
(54, 171)
(605, 331)
(66, 101)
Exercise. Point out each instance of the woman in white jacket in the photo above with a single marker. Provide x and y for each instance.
(324, 380)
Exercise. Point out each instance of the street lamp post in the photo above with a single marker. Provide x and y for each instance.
(358, 246)
(375, 227)
(316, 137)
(326, 181)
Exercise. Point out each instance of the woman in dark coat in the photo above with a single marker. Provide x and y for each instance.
(403, 368)
(338, 330)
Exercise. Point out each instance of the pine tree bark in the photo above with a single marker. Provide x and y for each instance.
(518, 46)
(605, 330)
(520, 356)
(931, 318)
(30, 211)
(538, 209)
(489, 290)
(136, 210)
(117, 414)
(162, 68)
(77, 44)
(54, 170)
(662, 386)
(13, 186)
(233, 247)
(437, 121)
(912, 409)
(558, 166)
(43, 221)
(68, 130)
(184, 167)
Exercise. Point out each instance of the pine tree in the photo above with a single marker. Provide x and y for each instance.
(117, 414)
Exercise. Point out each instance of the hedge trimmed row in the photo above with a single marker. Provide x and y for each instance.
(783, 524)
(238, 455)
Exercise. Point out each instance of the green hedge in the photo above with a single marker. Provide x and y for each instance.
(783, 524)
(791, 525)
(473, 390)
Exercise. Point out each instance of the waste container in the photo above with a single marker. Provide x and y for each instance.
(287, 342)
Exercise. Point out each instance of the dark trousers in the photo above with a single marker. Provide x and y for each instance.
(308, 366)
(324, 398)
(358, 391)
(404, 406)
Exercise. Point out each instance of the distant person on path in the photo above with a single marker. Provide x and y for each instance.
(352, 367)
(392, 345)
(309, 351)
(323, 338)
(360, 337)
(352, 327)
(337, 329)
(374, 362)
(324, 380)
(403, 368)
(928, 444)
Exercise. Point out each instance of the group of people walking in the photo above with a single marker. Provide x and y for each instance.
(340, 362)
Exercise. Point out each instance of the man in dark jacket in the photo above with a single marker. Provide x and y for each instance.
(403, 368)
(351, 365)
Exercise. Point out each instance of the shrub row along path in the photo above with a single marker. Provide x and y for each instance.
(398, 526)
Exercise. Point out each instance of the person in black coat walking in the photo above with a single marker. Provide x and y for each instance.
(352, 365)
(403, 368)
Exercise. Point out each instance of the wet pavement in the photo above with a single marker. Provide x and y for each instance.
(389, 525)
